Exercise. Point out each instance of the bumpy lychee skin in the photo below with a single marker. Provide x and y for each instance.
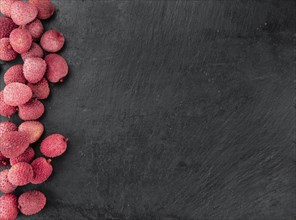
(5, 185)
(45, 8)
(20, 40)
(23, 12)
(32, 110)
(34, 130)
(14, 74)
(57, 68)
(17, 94)
(40, 90)
(27, 157)
(6, 26)
(6, 51)
(34, 69)
(6, 110)
(52, 41)
(13, 143)
(35, 28)
(6, 127)
(8, 207)
(5, 6)
(20, 174)
(34, 51)
(3, 161)
(54, 145)
(31, 202)
(42, 170)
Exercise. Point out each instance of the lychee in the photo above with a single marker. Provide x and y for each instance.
(23, 12)
(35, 28)
(7, 126)
(27, 157)
(32, 110)
(31, 202)
(20, 40)
(52, 41)
(6, 110)
(8, 207)
(5, 185)
(6, 51)
(3, 161)
(57, 68)
(42, 170)
(53, 145)
(34, 69)
(40, 90)
(14, 74)
(20, 174)
(45, 8)
(6, 26)
(5, 6)
(34, 51)
(13, 143)
(34, 130)
(17, 94)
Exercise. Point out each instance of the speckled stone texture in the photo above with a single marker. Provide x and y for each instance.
(174, 110)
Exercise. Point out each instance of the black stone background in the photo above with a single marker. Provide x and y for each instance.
(174, 110)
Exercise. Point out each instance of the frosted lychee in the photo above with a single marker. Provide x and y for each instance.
(34, 51)
(52, 41)
(34, 130)
(17, 94)
(40, 90)
(27, 157)
(42, 170)
(32, 110)
(20, 40)
(32, 202)
(57, 68)
(14, 74)
(54, 145)
(6, 51)
(23, 12)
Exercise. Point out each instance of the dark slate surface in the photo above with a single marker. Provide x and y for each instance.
(174, 110)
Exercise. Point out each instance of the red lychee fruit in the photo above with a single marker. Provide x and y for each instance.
(45, 8)
(57, 68)
(5, 185)
(34, 51)
(17, 94)
(34, 69)
(7, 126)
(35, 28)
(20, 40)
(34, 130)
(6, 110)
(6, 26)
(32, 110)
(40, 90)
(27, 157)
(52, 41)
(31, 202)
(42, 170)
(13, 143)
(6, 51)
(8, 207)
(5, 6)
(20, 174)
(14, 74)
(23, 12)
(53, 145)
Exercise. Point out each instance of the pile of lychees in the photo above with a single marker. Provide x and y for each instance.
(22, 33)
